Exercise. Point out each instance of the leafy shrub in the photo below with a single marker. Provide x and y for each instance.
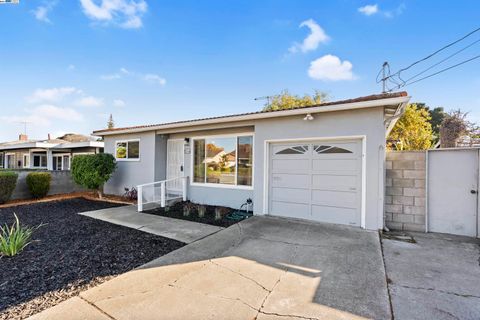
(15, 238)
(8, 181)
(201, 209)
(92, 171)
(130, 194)
(38, 183)
(220, 212)
(188, 208)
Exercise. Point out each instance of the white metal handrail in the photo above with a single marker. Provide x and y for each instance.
(147, 193)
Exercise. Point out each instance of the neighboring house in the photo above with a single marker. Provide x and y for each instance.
(49, 154)
(323, 163)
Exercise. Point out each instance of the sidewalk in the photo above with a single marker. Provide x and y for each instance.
(181, 230)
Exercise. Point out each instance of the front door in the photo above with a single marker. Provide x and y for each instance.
(175, 163)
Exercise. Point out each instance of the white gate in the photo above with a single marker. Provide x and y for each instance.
(452, 194)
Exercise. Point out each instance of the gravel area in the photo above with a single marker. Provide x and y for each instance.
(71, 253)
(176, 211)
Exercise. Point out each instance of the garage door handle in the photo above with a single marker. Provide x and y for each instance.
(473, 191)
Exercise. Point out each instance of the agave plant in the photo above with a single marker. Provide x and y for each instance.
(15, 238)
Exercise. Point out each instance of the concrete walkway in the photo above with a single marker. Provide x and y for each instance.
(181, 230)
(438, 277)
(263, 268)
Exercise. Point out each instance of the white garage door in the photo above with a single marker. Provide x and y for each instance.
(319, 180)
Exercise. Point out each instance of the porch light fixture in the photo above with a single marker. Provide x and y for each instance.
(308, 117)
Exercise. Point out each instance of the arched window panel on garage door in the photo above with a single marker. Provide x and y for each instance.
(294, 150)
(323, 149)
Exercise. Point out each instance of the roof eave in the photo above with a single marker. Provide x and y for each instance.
(266, 115)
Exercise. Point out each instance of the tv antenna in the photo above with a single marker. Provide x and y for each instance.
(25, 123)
(264, 98)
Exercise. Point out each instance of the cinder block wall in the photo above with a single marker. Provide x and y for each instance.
(405, 190)
(61, 183)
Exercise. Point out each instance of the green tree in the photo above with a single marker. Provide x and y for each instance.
(436, 117)
(412, 131)
(286, 100)
(110, 123)
(92, 171)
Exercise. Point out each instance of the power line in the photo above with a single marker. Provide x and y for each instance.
(438, 72)
(439, 50)
(443, 60)
(443, 70)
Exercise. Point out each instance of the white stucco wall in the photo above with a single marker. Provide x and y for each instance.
(367, 122)
(361, 122)
(132, 173)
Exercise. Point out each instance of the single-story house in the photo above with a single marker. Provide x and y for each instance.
(49, 154)
(322, 162)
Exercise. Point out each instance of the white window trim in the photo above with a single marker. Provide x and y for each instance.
(62, 155)
(5, 162)
(218, 185)
(26, 155)
(126, 141)
(32, 166)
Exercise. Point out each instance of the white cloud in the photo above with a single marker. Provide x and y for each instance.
(373, 9)
(43, 115)
(89, 101)
(59, 113)
(124, 13)
(51, 95)
(119, 103)
(124, 73)
(71, 67)
(155, 78)
(41, 12)
(369, 9)
(330, 68)
(312, 41)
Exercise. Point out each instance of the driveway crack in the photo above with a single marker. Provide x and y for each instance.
(441, 291)
(97, 308)
(294, 254)
(240, 274)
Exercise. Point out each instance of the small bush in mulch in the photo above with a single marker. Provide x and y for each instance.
(213, 215)
(14, 238)
(69, 253)
(8, 181)
(39, 184)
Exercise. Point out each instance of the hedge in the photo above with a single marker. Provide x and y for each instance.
(38, 184)
(8, 181)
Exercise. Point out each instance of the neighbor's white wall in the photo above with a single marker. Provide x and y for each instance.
(132, 173)
(368, 122)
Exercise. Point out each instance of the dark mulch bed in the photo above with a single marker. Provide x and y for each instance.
(72, 253)
(176, 211)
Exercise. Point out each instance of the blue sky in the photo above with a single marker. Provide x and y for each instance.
(66, 65)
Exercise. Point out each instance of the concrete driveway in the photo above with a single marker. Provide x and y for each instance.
(261, 268)
(438, 277)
